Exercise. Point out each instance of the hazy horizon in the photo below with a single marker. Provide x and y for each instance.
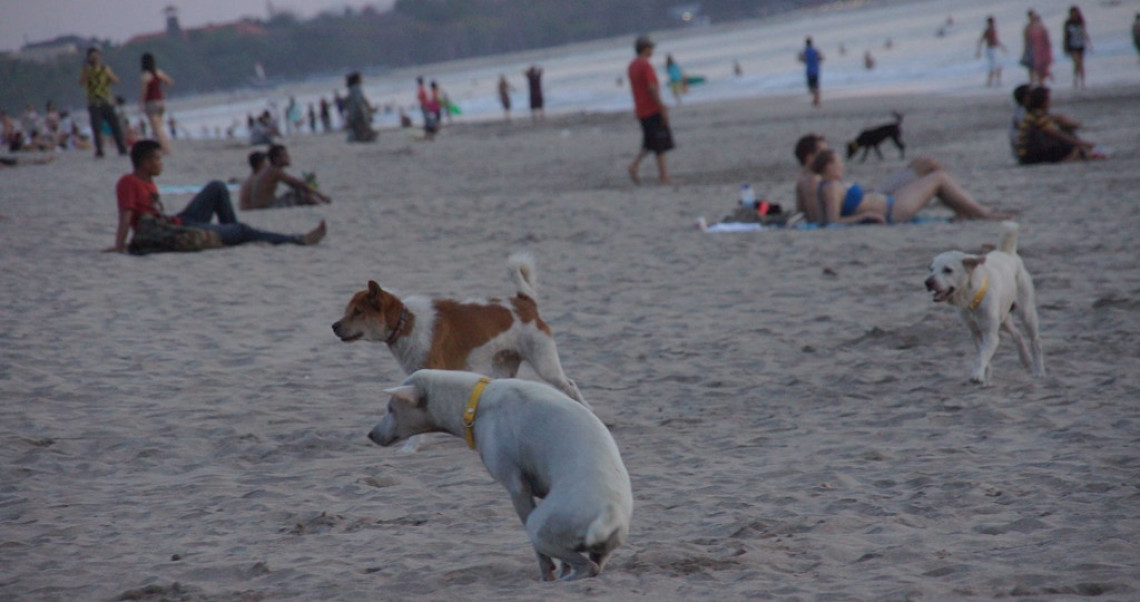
(23, 22)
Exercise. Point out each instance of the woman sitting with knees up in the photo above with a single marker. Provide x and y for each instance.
(847, 203)
(1045, 138)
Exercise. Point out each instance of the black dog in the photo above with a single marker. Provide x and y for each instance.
(871, 139)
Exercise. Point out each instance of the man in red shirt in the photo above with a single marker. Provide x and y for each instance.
(650, 110)
(138, 196)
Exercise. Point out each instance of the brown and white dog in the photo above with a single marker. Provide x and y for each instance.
(492, 337)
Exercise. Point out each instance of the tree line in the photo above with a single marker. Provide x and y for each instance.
(414, 32)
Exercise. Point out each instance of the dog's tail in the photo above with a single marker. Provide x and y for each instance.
(607, 531)
(1009, 239)
(521, 267)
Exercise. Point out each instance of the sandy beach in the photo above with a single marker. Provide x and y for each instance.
(793, 409)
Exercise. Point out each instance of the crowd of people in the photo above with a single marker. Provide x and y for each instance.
(1036, 135)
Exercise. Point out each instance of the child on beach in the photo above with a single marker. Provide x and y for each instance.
(138, 199)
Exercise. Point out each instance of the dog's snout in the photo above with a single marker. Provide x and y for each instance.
(374, 437)
(336, 328)
(930, 283)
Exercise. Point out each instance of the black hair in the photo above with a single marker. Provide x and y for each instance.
(352, 79)
(256, 160)
(1038, 98)
(1019, 94)
(275, 151)
(148, 63)
(142, 150)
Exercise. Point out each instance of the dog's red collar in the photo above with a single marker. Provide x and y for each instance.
(399, 327)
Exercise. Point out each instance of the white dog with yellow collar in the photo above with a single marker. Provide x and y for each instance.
(986, 289)
(559, 463)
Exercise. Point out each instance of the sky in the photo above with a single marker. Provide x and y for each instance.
(23, 21)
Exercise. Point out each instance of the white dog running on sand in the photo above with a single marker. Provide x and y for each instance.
(556, 459)
(986, 289)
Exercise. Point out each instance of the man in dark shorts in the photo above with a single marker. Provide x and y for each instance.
(647, 105)
(811, 58)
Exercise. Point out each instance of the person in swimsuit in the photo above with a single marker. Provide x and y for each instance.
(842, 203)
(807, 185)
(152, 99)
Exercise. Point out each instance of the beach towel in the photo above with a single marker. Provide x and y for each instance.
(728, 227)
(175, 189)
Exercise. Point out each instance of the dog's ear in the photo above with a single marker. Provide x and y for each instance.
(374, 292)
(973, 261)
(409, 394)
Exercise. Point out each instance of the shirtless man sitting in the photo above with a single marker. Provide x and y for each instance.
(265, 181)
(245, 195)
(807, 185)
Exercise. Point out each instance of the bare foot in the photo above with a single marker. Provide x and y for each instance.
(315, 235)
(633, 174)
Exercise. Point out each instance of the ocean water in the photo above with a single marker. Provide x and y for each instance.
(921, 47)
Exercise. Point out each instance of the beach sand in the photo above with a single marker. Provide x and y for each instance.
(793, 409)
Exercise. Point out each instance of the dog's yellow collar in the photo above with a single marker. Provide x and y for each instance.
(469, 412)
(980, 295)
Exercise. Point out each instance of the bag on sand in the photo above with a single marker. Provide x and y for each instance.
(154, 235)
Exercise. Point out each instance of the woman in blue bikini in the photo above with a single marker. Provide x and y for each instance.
(842, 203)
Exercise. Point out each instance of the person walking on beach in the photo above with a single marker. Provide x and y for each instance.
(505, 90)
(650, 110)
(152, 97)
(1037, 55)
(326, 118)
(1076, 41)
(811, 58)
(677, 83)
(534, 82)
(991, 42)
(425, 109)
(138, 197)
(97, 79)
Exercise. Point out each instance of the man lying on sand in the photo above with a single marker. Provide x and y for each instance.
(138, 198)
(265, 181)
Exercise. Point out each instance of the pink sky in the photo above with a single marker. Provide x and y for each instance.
(24, 21)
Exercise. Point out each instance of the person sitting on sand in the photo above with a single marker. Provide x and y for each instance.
(138, 197)
(1045, 138)
(842, 203)
(807, 186)
(265, 181)
(245, 195)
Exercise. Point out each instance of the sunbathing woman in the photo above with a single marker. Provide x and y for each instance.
(842, 203)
